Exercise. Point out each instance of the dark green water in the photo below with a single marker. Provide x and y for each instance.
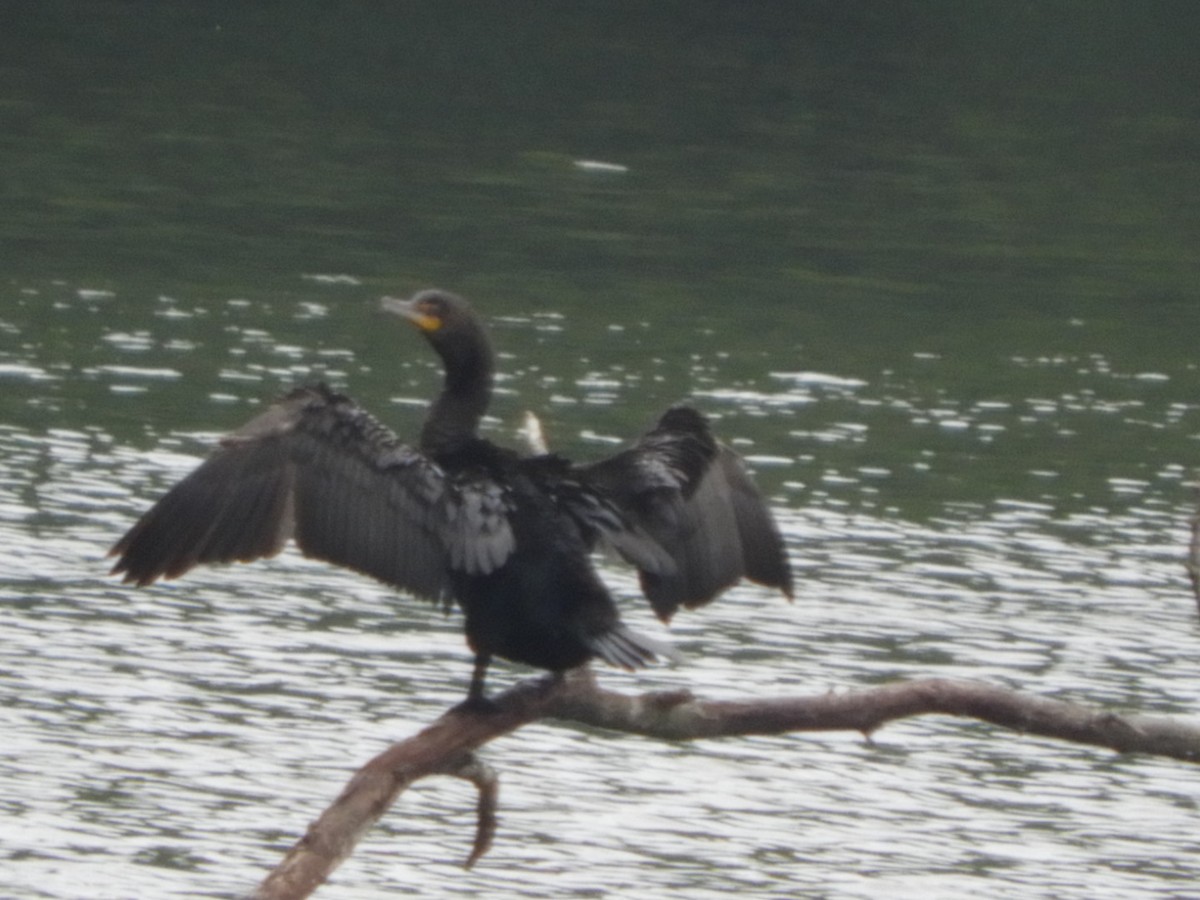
(932, 268)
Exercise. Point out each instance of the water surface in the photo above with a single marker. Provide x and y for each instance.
(949, 320)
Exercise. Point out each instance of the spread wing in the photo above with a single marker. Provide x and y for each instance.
(317, 469)
(695, 499)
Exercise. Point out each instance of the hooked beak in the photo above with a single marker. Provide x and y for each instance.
(411, 311)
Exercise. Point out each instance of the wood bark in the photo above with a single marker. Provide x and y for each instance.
(1192, 562)
(447, 747)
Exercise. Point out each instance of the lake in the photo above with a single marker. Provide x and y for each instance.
(932, 271)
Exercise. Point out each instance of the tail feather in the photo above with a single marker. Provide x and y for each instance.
(626, 649)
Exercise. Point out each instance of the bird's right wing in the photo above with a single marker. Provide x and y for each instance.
(316, 468)
(694, 498)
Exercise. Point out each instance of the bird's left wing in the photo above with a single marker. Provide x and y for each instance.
(316, 468)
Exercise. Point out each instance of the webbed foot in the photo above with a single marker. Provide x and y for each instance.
(476, 704)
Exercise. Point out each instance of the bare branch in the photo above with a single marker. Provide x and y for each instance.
(446, 747)
(471, 768)
(677, 716)
(1193, 558)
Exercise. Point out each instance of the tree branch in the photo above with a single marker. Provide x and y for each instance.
(444, 748)
(447, 746)
(1192, 562)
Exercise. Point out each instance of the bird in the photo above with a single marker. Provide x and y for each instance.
(457, 519)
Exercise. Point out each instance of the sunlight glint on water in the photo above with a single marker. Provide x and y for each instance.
(148, 727)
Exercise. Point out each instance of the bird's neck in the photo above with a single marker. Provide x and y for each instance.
(455, 415)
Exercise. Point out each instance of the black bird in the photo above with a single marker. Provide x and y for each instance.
(458, 518)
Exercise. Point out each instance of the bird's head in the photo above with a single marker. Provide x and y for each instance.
(432, 311)
(451, 326)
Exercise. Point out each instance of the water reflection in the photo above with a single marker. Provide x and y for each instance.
(171, 742)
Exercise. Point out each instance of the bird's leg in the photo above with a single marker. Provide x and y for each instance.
(476, 700)
(478, 676)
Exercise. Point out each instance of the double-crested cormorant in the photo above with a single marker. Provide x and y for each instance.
(460, 519)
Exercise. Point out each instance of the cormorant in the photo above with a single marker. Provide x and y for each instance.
(460, 519)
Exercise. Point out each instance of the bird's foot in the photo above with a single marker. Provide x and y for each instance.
(549, 682)
(475, 705)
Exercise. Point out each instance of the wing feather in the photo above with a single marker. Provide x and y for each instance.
(315, 468)
(693, 497)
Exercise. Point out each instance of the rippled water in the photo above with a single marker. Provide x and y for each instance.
(930, 267)
(172, 742)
